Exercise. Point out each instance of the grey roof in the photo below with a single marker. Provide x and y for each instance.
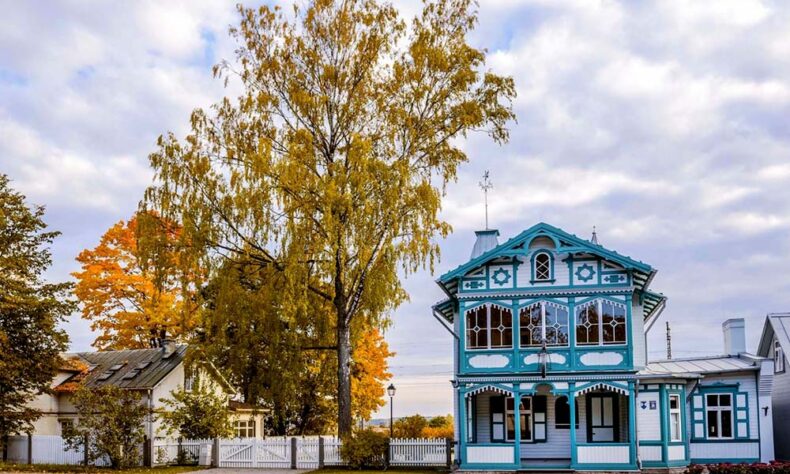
(699, 366)
(151, 366)
(775, 324)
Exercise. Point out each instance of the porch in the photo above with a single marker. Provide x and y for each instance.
(555, 425)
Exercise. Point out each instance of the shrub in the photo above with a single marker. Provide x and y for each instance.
(365, 449)
(111, 424)
(695, 469)
(776, 467)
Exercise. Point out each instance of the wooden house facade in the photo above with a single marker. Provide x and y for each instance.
(551, 368)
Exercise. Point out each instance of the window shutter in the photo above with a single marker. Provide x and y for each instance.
(697, 416)
(539, 416)
(741, 407)
(497, 419)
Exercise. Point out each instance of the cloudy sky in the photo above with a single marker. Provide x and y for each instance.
(665, 124)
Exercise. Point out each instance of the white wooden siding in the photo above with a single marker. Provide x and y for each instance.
(638, 335)
(676, 452)
(780, 401)
(603, 454)
(489, 454)
(524, 273)
(725, 451)
(649, 423)
(650, 453)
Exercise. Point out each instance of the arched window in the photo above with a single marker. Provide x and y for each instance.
(562, 413)
(489, 326)
(541, 267)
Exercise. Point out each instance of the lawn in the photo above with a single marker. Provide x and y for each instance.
(4, 467)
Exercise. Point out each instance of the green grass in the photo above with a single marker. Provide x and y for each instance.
(5, 467)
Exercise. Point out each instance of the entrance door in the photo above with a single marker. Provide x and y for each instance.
(603, 418)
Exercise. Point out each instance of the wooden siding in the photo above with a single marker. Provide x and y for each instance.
(649, 421)
(725, 451)
(638, 336)
(650, 453)
(606, 454)
(780, 400)
(489, 454)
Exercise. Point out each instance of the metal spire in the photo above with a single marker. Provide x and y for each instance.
(485, 185)
(594, 238)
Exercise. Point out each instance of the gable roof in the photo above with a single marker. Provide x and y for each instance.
(117, 367)
(776, 324)
(643, 271)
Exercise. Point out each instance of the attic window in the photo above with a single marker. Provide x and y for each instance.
(131, 374)
(104, 376)
(779, 358)
(143, 365)
(542, 267)
(116, 367)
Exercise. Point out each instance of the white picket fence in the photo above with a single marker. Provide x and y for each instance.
(418, 452)
(45, 450)
(279, 452)
(275, 452)
(185, 451)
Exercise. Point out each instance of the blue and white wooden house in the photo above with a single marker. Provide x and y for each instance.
(551, 360)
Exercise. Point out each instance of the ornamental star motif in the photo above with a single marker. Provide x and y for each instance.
(501, 276)
(585, 272)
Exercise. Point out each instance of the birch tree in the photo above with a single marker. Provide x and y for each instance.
(331, 164)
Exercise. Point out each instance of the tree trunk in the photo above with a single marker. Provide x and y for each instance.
(343, 376)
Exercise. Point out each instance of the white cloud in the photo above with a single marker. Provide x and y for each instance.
(663, 123)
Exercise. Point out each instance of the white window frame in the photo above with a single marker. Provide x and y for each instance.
(675, 418)
(246, 426)
(779, 358)
(526, 414)
(718, 410)
(599, 306)
(549, 268)
(488, 328)
(543, 324)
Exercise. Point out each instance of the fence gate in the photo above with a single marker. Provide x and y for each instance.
(268, 453)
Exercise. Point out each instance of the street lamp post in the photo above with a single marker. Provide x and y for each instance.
(391, 393)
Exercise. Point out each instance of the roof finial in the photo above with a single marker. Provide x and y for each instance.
(485, 185)
(594, 238)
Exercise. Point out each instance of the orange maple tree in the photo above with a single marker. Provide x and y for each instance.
(131, 298)
(369, 372)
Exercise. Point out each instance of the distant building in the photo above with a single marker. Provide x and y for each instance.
(774, 344)
(551, 368)
(155, 373)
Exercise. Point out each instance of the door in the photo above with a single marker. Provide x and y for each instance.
(603, 418)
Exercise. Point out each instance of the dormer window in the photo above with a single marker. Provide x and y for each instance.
(542, 267)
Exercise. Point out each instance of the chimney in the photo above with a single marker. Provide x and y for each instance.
(734, 336)
(486, 240)
(168, 347)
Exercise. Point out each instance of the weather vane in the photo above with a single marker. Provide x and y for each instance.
(485, 185)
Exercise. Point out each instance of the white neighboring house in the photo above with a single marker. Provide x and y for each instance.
(154, 372)
(774, 344)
